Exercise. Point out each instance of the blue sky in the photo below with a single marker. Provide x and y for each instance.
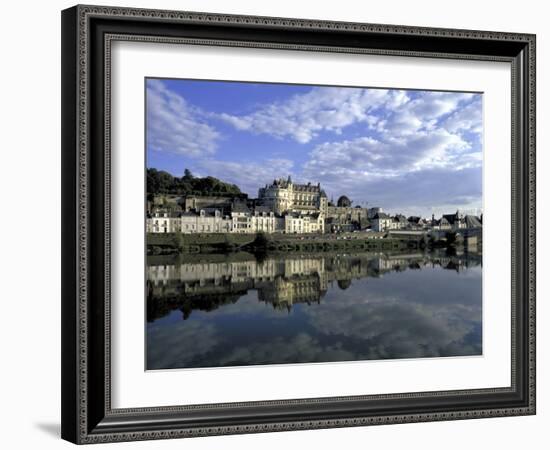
(414, 152)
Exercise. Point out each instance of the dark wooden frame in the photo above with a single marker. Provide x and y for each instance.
(87, 32)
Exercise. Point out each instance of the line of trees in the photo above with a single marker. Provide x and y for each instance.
(162, 182)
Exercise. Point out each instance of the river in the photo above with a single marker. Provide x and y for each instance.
(239, 309)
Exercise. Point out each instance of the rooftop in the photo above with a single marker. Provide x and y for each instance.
(472, 222)
(240, 207)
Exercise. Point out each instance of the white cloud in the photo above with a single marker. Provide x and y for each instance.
(303, 116)
(299, 348)
(391, 157)
(168, 346)
(249, 176)
(175, 126)
(417, 155)
(423, 112)
(468, 118)
(394, 112)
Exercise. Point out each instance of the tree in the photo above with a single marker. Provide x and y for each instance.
(261, 240)
(162, 182)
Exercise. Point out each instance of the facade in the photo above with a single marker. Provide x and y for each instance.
(241, 218)
(442, 224)
(162, 222)
(188, 222)
(382, 222)
(304, 223)
(207, 202)
(284, 196)
(264, 221)
(456, 220)
(239, 221)
(347, 214)
(399, 222)
(416, 223)
(259, 220)
(204, 222)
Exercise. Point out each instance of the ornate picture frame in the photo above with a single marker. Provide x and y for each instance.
(88, 33)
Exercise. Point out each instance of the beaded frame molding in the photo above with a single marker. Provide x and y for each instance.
(87, 35)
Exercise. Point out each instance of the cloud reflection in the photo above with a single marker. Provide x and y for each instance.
(402, 313)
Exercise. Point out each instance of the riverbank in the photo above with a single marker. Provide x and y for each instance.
(166, 243)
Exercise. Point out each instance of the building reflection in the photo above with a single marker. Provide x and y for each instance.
(212, 281)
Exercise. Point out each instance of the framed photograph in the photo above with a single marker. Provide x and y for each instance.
(278, 224)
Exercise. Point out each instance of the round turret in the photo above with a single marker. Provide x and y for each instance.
(343, 201)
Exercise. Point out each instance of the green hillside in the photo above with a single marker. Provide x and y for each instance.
(162, 182)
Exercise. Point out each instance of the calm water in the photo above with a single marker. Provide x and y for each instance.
(233, 310)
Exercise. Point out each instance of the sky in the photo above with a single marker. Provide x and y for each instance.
(407, 151)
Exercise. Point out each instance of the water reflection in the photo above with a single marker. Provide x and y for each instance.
(225, 310)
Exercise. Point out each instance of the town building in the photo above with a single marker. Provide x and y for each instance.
(287, 207)
(456, 220)
(241, 218)
(284, 196)
(472, 221)
(442, 224)
(343, 215)
(382, 222)
(416, 223)
(399, 222)
(161, 222)
(210, 202)
(205, 222)
(262, 220)
(304, 223)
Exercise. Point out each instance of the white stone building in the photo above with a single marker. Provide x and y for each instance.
(205, 222)
(304, 223)
(284, 196)
(399, 222)
(382, 222)
(162, 222)
(241, 218)
(189, 222)
(262, 220)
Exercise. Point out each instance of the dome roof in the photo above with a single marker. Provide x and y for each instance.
(344, 201)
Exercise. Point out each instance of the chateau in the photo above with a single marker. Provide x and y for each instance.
(282, 207)
(288, 208)
(284, 196)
